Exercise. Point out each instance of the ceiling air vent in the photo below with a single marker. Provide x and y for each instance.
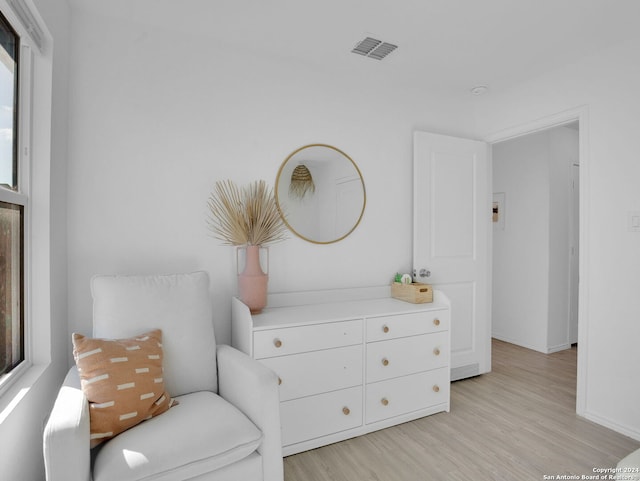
(373, 48)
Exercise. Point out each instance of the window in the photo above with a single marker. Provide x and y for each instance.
(12, 207)
(26, 60)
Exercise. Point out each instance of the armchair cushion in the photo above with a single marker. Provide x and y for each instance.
(122, 380)
(203, 433)
(179, 305)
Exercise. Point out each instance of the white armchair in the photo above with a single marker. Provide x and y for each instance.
(629, 467)
(227, 423)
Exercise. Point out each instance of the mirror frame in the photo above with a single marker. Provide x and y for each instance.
(284, 217)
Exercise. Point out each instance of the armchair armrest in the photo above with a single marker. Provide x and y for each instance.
(253, 388)
(628, 467)
(67, 455)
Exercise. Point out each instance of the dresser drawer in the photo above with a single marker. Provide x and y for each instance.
(407, 355)
(321, 415)
(292, 340)
(403, 395)
(318, 371)
(404, 325)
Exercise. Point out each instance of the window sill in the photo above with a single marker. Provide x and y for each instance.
(14, 390)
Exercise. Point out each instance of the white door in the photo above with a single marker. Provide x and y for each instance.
(451, 244)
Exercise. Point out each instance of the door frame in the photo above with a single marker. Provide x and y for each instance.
(574, 213)
(580, 114)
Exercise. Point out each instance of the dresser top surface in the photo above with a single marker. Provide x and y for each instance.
(338, 311)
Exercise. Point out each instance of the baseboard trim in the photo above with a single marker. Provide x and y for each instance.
(558, 348)
(543, 350)
(607, 423)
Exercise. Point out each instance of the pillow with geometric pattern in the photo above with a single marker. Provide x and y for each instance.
(122, 380)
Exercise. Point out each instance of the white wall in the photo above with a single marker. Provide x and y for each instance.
(606, 84)
(157, 118)
(521, 251)
(530, 260)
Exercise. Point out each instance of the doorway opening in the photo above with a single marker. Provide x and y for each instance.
(535, 239)
(576, 323)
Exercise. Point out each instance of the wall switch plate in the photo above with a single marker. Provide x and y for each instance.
(633, 221)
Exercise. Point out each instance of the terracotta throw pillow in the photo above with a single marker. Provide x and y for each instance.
(122, 379)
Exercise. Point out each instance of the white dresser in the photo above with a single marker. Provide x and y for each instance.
(349, 367)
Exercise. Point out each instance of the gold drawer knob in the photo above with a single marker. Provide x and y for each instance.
(436, 351)
(385, 361)
(346, 411)
(385, 329)
(277, 342)
(436, 388)
(384, 401)
(436, 322)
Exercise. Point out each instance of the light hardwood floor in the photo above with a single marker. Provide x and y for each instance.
(516, 423)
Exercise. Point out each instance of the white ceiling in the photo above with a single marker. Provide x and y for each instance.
(448, 45)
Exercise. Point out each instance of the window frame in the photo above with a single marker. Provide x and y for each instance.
(17, 196)
(21, 196)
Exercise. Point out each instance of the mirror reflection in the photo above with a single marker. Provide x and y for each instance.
(321, 192)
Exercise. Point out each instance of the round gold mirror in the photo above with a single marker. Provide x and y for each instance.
(320, 193)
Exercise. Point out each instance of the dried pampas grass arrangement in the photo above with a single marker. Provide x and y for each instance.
(245, 216)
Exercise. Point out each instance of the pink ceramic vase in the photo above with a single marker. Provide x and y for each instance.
(252, 281)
